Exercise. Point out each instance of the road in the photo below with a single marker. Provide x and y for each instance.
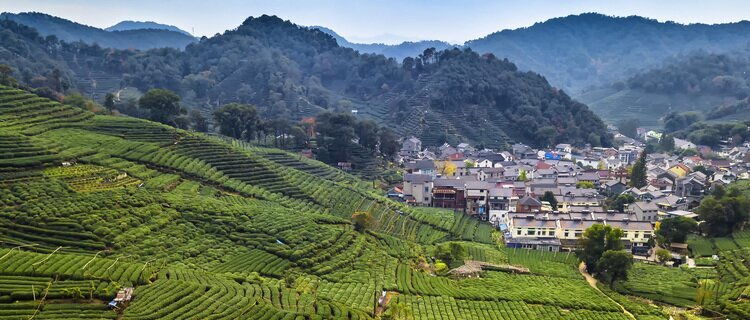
(592, 283)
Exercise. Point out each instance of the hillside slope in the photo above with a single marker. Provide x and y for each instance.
(206, 228)
(291, 72)
(579, 51)
(715, 85)
(70, 31)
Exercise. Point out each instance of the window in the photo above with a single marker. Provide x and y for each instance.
(518, 232)
(426, 199)
(531, 232)
(426, 189)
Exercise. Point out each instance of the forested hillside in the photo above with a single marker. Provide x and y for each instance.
(69, 31)
(715, 85)
(209, 228)
(291, 72)
(580, 51)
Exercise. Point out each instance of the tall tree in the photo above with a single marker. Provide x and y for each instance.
(163, 105)
(367, 132)
(198, 121)
(722, 217)
(614, 265)
(676, 229)
(237, 120)
(596, 240)
(109, 101)
(388, 143)
(666, 144)
(629, 127)
(549, 196)
(638, 177)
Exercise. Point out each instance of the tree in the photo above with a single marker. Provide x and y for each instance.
(447, 168)
(676, 229)
(549, 196)
(663, 255)
(300, 137)
(596, 240)
(367, 132)
(614, 264)
(522, 175)
(469, 164)
(450, 253)
(237, 120)
(629, 127)
(6, 76)
(718, 192)
(638, 174)
(163, 105)
(109, 101)
(722, 217)
(585, 185)
(361, 220)
(621, 202)
(666, 144)
(336, 133)
(198, 121)
(388, 143)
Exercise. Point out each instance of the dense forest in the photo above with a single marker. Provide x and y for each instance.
(69, 31)
(291, 72)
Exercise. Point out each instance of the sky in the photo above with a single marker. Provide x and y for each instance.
(387, 21)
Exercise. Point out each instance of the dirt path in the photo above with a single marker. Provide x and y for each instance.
(592, 283)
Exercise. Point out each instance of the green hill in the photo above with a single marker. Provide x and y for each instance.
(291, 72)
(207, 228)
(715, 85)
(121, 36)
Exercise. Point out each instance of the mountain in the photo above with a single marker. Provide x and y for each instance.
(396, 51)
(70, 31)
(715, 85)
(136, 25)
(580, 51)
(291, 72)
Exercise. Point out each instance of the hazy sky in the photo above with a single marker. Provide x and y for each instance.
(378, 21)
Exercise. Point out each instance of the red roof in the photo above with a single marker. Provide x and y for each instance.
(543, 165)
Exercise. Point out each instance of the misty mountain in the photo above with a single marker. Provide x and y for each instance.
(579, 51)
(396, 51)
(136, 25)
(716, 85)
(291, 72)
(70, 31)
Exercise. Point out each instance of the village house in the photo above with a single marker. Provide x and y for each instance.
(418, 189)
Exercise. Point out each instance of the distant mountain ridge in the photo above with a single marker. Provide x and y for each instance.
(716, 85)
(578, 52)
(70, 31)
(396, 51)
(136, 25)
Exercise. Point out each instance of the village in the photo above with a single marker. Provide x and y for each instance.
(545, 199)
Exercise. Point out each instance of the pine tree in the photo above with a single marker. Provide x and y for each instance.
(638, 174)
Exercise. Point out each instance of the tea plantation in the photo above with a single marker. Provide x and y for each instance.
(208, 228)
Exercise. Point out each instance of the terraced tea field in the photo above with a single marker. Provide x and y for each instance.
(208, 228)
